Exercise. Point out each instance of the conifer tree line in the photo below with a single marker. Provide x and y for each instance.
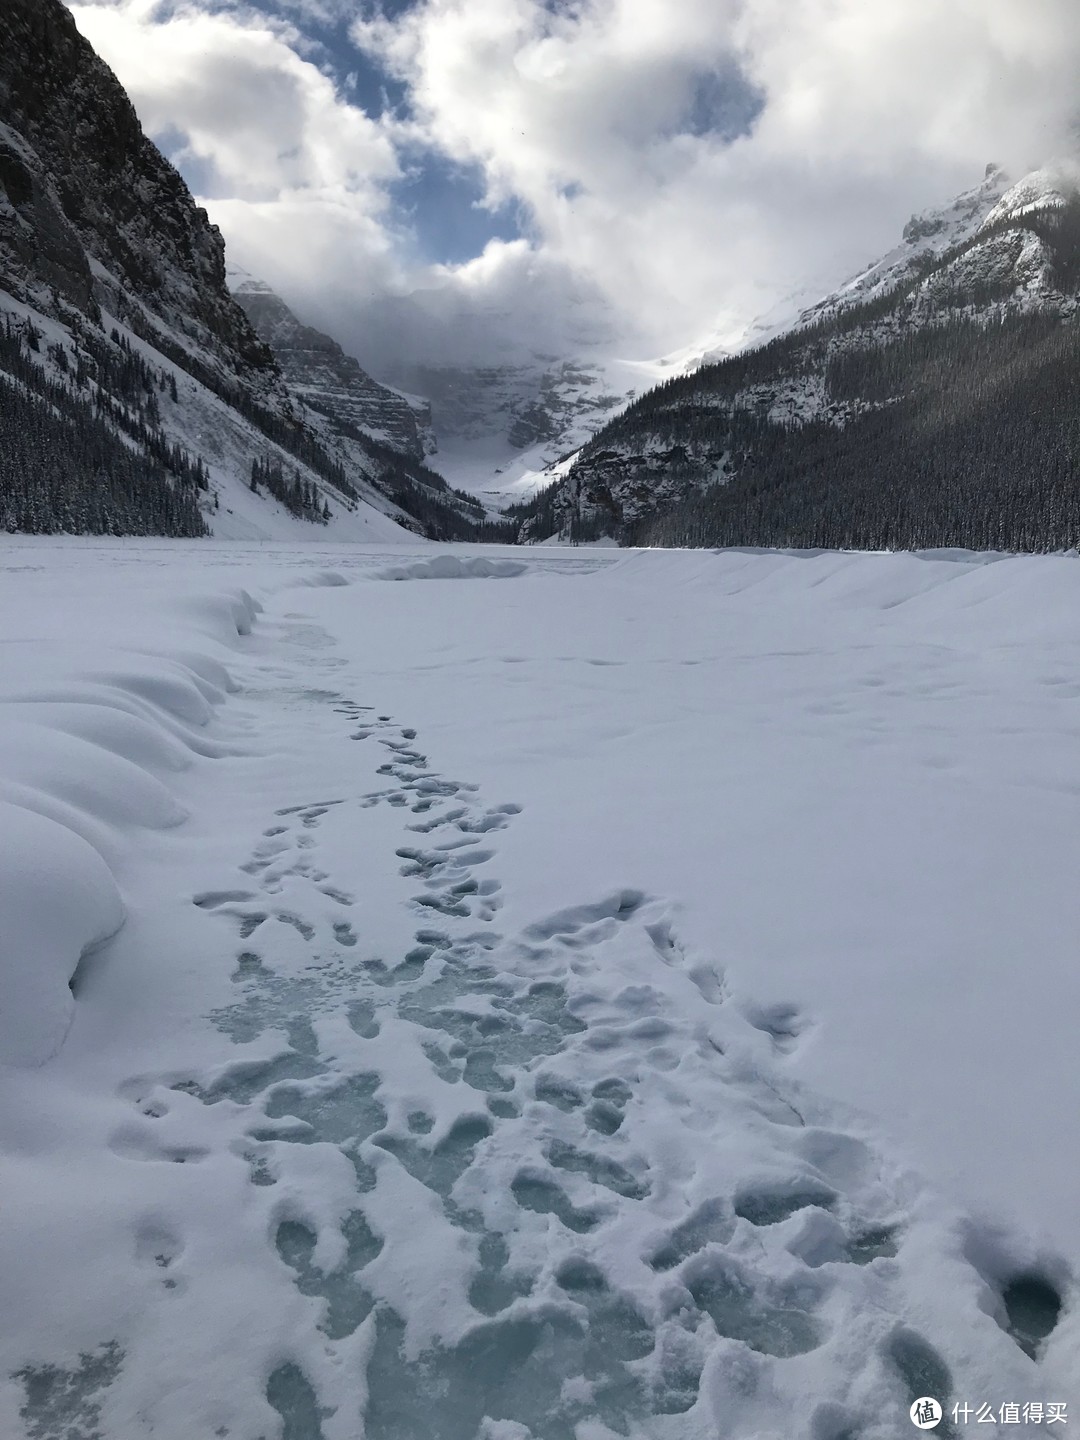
(86, 479)
(64, 469)
(535, 518)
(299, 496)
(973, 441)
(393, 474)
(291, 435)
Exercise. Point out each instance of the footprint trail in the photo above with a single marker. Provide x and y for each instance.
(552, 1185)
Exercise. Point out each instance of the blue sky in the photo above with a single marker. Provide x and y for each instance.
(438, 200)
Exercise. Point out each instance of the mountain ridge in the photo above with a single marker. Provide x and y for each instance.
(137, 393)
(317, 370)
(888, 372)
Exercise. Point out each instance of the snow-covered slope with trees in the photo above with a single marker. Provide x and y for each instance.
(137, 396)
(909, 407)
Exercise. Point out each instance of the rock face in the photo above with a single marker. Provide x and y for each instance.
(543, 402)
(135, 393)
(122, 228)
(319, 373)
(500, 426)
(907, 408)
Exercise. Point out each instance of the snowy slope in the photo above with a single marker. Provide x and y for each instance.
(996, 252)
(502, 433)
(498, 426)
(617, 1004)
(1049, 188)
(105, 257)
(926, 238)
(208, 427)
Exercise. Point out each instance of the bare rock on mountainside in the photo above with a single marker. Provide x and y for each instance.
(157, 255)
(319, 373)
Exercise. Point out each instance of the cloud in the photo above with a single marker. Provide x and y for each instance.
(296, 177)
(514, 298)
(676, 168)
(832, 119)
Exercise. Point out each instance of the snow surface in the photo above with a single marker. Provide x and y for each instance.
(634, 999)
(1049, 188)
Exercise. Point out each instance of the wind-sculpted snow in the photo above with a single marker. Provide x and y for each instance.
(58, 899)
(83, 759)
(450, 1079)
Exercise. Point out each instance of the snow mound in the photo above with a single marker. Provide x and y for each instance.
(451, 567)
(93, 737)
(88, 775)
(58, 899)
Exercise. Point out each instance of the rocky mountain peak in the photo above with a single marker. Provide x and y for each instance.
(1049, 188)
(925, 239)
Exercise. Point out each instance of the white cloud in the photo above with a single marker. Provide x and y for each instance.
(296, 178)
(871, 110)
(589, 117)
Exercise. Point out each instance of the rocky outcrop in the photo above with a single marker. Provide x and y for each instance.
(319, 373)
(82, 174)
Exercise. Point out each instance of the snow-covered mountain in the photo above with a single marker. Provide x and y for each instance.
(499, 427)
(479, 414)
(137, 395)
(925, 240)
(907, 407)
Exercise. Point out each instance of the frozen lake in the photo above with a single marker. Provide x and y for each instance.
(558, 994)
